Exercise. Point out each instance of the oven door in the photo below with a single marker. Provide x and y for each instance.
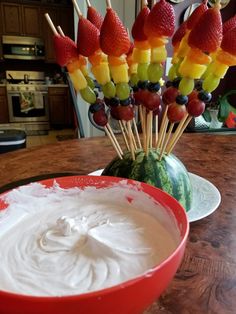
(28, 106)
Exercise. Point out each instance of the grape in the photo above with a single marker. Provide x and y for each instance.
(155, 72)
(172, 72)
(181, 99)
(176, 112)
(186, 86)
(151, 100)
(142, 71)
(109, 89)
(90, 82)
(125, 113)
(134, 79)
(100, 118)
(170, 95)
(88, 95)
(122, 90)
(210, 83)
(195, 107)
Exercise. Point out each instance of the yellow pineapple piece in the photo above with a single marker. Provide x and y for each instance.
(84, 70)
(78, 79)
(158, 54)
(119, 73)
(219, 69)
(141, 56)
(191, 70)
(102, 73)
(183, 47)
(133, 68)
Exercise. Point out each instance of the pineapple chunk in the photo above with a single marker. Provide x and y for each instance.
(191, 70)
(119, 73)
(101, 73)
(158, 54)
(141, 56)
(133, 68)
(78, 80)
(219, 69)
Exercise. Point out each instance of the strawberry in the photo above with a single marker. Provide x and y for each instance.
(88, 37)
(94, 17)
(229, 24)
(229, 42)
(179, 34)
(114, 39)
(137, 29)
(195, 16)
(65, 49)
(160, 21)
(207, 33)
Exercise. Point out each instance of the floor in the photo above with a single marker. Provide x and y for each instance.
(53, 136)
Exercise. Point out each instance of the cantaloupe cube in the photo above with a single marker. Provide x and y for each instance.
(101, 73)
(119, 73)
(78, 80)
(141, 56)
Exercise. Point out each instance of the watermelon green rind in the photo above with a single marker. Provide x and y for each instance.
(169, 174)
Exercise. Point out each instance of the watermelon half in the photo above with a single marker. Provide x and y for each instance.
(169, 174)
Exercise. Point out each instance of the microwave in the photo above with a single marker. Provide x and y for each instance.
(25, 48)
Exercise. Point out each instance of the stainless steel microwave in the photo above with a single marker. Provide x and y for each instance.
(25, 48)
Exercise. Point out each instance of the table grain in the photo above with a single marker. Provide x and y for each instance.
(206, 279)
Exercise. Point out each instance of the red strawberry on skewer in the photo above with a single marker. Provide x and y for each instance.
(179, 34)
(114, 39)
(94, 17)
(88, 37)
(229, 24)
(229, 42)
(137, 29)
(195, 16)
(65, 49)
(161, 20)
(207, 33)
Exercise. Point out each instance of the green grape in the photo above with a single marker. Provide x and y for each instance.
(172, 72)
(155, 72)
(142, 71)
(210, 83)
(207, 72)
(134, 79)
(186, 86)
(88, 95)
(109, 90)
(122, 90)
(90, 82)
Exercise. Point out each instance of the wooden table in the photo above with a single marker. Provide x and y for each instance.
(206, 280)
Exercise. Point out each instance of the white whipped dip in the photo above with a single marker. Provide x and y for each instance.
(56, 241)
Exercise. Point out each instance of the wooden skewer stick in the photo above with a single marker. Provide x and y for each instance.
(142, 122)
(88, 3)
(53, 28)
(132, 135)
(60, 31)
(108, 2)
(151, 119)
(124, 135)
(114, 138)
(178, 129)
(112, 141)
(166, 140)
(156, 130)
(144, 3)
(77, 9)
(145, 128)
(163, 134)
(148, 126)
(130, 140)
(179, 135)
(137, 134)
(163, 122)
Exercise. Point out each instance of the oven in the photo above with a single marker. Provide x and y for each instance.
(28, 99)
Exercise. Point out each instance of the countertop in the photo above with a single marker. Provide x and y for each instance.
(206, 279)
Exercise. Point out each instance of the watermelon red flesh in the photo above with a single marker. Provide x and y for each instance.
(169, 174)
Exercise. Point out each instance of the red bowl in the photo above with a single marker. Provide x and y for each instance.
(130, 297)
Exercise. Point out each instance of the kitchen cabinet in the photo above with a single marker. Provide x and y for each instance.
(4, 116)
(60, 107)
(62, 16)
(21, 20)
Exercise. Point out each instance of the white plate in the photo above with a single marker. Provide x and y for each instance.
(206, 197)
